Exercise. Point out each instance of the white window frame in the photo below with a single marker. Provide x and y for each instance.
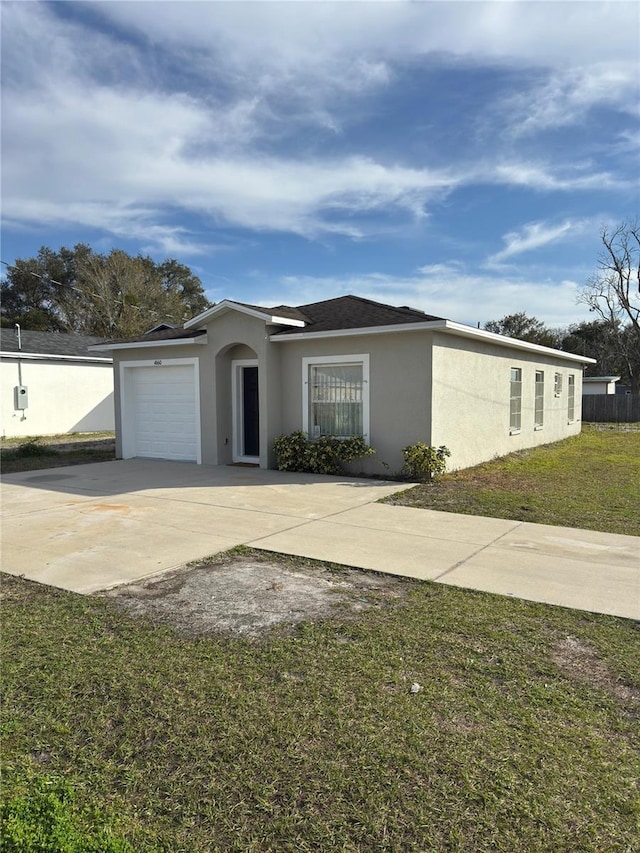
(515, 430)
(538, 406)
(237, 412)
(571, 398)
(557, 385)
(317, 361)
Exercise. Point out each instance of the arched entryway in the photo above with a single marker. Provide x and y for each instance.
(238, 404)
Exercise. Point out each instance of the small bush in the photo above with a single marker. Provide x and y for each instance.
(423, 461)
(47, 819)
(324, 455)
(291, 451)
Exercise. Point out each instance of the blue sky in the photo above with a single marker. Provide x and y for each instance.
(459, 157)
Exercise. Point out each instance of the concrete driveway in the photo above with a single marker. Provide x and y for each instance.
(91, 527)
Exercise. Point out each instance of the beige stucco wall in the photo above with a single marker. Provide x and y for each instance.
(423, 386)
(63, 397)
(229, 336)
(399, 389)
(471, 390)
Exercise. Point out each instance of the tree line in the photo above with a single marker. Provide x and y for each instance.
(110, 295)
(613, 295)
(117, 296)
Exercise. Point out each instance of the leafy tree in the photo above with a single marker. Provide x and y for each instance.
(525, 328)
(595, 340)
(114, 295)
(613, 293)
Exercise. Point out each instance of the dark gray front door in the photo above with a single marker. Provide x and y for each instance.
(250, 412)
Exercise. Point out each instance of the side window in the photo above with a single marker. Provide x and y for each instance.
(557, 385)
(571, 395)
(515, 400)
(336, 396)
(539, 401)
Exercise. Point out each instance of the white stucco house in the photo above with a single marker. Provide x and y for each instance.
(599, 384)
(52, 384)
(221, 388)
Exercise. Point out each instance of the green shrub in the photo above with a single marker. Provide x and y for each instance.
(324, 455)
(423, 461)
(291, 451)
(47, 819)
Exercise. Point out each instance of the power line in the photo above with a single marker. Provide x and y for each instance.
(71, 287)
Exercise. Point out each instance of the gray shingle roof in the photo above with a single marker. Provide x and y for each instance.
(48, 343)
(354, 312)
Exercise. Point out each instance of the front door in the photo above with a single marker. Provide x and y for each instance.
(246, 412)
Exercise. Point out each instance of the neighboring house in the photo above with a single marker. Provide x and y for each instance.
(225, 385)
(52, 384)
(599, 384)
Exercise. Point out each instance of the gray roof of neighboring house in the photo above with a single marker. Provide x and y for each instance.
(47, 343)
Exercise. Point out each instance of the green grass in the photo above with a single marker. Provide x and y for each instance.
(590, 481)
(525, 736)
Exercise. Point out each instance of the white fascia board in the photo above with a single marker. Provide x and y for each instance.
(286, 321)
(349, 333)
(172, 342)
(447, 326)
(36, 356)
(513, 343)
(229, 305)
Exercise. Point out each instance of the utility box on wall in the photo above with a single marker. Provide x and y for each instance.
(22, 397)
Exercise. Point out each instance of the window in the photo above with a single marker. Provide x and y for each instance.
(571, 394)
(557, 385)
(515, 402)
(336, 396)
(539, 401)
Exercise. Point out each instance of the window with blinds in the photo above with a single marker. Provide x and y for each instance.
(571, 397)
(539, 400)
(515, 400)
(336, 395)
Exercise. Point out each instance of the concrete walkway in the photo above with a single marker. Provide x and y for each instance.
(90, 527)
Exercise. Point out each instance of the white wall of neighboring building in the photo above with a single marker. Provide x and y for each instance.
(64, 396)
(599, 385)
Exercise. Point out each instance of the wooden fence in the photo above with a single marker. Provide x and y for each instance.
(611, 408)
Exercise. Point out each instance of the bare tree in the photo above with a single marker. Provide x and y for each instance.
(613, 292)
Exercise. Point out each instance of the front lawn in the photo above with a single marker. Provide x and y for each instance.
(523, 736)
(591, 481)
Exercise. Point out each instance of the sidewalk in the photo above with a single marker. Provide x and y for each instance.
(584, 569)
(91, 527)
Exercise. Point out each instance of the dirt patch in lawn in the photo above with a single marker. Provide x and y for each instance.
(251, 593)
(582, 663)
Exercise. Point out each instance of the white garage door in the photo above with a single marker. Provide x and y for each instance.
(162, 417)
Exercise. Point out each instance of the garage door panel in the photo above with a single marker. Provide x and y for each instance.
(164, 416)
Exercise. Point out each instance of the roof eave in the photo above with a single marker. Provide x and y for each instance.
(461, 330)
(229, 305)
(364, 330)
(52, 356)
(447, 326)
(166, 342)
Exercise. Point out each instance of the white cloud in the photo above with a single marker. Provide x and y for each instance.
(535, 235)
(285, 35)
(447, 290)
(93, 136)
(540, 176)
(568, 95)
